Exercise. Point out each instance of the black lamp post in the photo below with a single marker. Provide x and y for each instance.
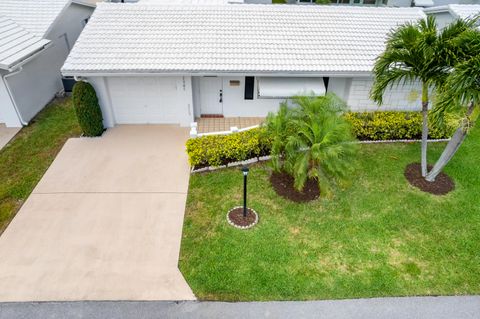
(245, 174)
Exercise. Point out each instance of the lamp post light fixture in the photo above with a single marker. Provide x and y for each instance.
(243, 217)
(245, 175)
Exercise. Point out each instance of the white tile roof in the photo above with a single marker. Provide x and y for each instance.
(135, 38)
(461, 11)
(34, 15)
(169, 2)
(464, 11)
(17, 43)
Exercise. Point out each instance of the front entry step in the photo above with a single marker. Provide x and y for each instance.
(212, 116)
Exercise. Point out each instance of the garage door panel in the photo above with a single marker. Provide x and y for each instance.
(146, 100)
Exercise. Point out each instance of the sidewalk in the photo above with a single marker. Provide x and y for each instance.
(465, 307)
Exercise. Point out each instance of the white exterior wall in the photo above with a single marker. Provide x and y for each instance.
(8, 115)
(443, 18)
(40, 79)
(37, 83)
(145, 100)
(70, 24)
(340, 86)
(398, 98)
(399, 3)
(175, 99)
(234, 103)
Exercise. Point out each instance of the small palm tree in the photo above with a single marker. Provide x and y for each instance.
(277, 126)
(318, 143)
(417, 52)
(460, 94)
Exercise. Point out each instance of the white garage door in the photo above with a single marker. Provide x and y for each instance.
(149, 100)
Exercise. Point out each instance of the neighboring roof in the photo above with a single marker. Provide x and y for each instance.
(36, 16)
(17, 44)
(459, 11)
(176, 39)
(176, 2)
(90, 3)
(423, 3)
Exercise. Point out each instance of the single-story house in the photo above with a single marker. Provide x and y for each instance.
(174, 63)
(35, 39)
(449, 13)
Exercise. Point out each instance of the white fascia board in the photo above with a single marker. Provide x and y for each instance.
(438, 9)
(232, 74)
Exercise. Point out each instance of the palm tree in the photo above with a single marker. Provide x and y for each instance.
(277, 128)
(319, 143)
(461, 94)
(417, 52)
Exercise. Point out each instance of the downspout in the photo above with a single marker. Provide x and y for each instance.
(10, 94)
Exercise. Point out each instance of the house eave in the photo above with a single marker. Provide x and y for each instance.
(217, 73)
(24, 60)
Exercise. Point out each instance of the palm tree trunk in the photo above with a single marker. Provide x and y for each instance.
(424, 128)
(451, 148)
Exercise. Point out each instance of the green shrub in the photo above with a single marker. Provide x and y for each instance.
(216, 150)
(395, 125)
(88, 110)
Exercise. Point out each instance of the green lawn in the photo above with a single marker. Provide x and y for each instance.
(380, 237)
(31, 152)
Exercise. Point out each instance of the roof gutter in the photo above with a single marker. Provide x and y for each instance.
(213, 73)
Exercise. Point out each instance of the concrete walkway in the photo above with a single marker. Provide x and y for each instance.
(104, 223)
(6, 134)
(379, 308)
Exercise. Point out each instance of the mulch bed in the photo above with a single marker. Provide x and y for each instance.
(235, 216)
(283, 184)
(442, 185)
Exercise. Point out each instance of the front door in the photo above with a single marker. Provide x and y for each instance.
(211, 96)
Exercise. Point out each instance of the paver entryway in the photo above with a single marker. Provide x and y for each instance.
(104, 223)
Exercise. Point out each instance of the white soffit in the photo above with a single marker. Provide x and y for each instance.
(284, 87)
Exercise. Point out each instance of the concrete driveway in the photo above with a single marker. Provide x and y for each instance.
(104, 223)
(6, 134)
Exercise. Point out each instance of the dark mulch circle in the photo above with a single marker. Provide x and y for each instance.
(236, 217)
(442, 185)
(283, 184)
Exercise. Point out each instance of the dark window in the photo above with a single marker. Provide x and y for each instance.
(325, 81)
(68, 83)
(249, 87)
(369, 1)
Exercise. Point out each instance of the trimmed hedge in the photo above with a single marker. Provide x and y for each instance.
(373, 126)
(216, 150)
(88, 110)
